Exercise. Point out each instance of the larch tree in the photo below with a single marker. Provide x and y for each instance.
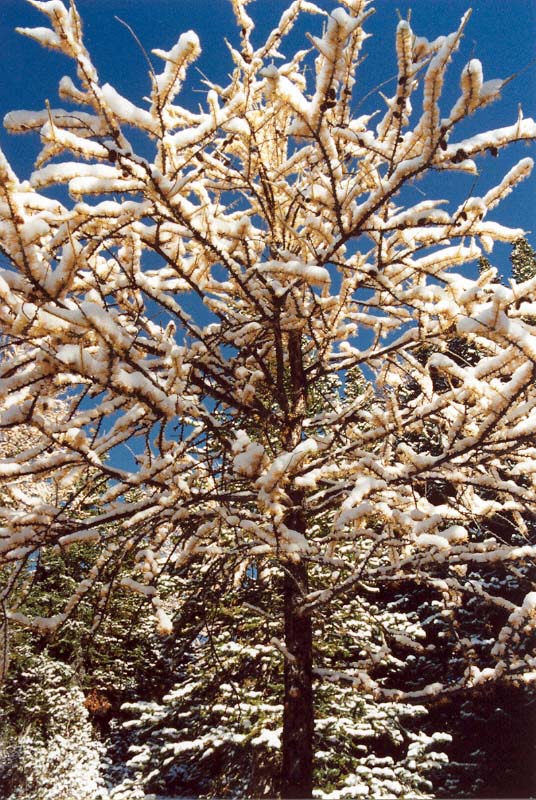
(194, 304)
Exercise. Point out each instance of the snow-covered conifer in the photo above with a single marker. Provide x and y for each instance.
(286, 222)
(55, 756)
(523, 258)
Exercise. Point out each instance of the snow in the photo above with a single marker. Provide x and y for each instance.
(454, 533)
(186, 50)
(286, 91)
(125, 110)
(519, 172)
(58, 173)
(344, 20)
(34, 229)
(271, 739)
(491, 88)
(85, 147)
(523, 129)
(248, 462)
(90, 537)
(529, 604)
(136, 586)
(432, 540)
(314, 275)
(44, 36)
(283, 463)
(81, 186)
(42, 624)
(164, 623)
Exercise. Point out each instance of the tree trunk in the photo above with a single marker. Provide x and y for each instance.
(298, 711)
(298, 714)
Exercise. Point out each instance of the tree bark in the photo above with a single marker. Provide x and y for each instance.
(298, 713)
(298, 710)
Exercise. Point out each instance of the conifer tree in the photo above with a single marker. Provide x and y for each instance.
(48, 750)
(282, 217)
(523, 260)
(217, 731)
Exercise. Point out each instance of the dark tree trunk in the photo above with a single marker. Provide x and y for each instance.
(298, 710)
(298, 714)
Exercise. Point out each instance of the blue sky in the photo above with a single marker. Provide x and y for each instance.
(501, 34)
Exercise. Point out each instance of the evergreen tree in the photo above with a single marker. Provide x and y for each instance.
(48, 750)
(217, 732)
(523, 258)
